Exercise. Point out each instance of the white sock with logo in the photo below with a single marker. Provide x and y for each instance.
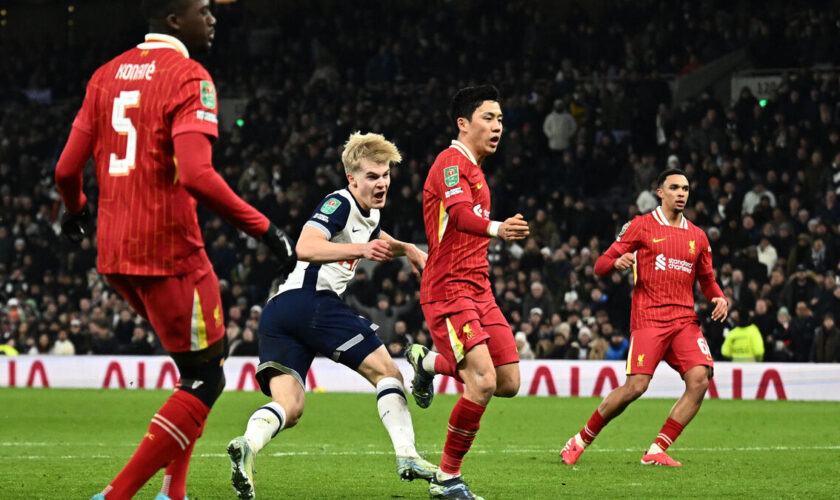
(393, 411)
(264, 424)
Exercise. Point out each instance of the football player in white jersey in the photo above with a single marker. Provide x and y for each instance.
(306, 316)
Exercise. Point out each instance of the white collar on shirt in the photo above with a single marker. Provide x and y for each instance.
(660, 218)
(161, 41)
(460, 146)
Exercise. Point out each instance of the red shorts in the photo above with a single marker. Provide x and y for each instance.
(185, 310)
(681, 346)
(459, 325)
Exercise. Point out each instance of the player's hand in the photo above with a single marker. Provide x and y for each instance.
(721, 309)
(378, 250)
(625, 262)
(282, 246)
(76, 227)
(514, 228)
(416, 258)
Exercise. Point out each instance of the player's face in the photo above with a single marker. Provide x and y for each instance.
(196, 25)
(370, 184)
(674, 193)
(484, 131)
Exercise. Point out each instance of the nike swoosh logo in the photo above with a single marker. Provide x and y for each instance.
(479, 185)
(657, 240)
(355, 230)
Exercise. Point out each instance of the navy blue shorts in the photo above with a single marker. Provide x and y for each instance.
(298, 324)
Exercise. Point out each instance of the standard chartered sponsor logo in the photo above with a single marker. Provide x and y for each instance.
(660, 262)
(663, 263)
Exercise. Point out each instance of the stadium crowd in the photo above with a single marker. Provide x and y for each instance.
(589, 123)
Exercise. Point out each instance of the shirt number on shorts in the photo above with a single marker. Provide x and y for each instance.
(123, 126)
(704, 348)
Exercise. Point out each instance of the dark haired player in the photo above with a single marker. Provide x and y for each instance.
(474, 341)
(668, 254)
(149, 118)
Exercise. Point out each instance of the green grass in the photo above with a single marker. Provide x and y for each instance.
(70, 443)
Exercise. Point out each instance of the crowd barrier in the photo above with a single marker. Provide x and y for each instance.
(779, 381)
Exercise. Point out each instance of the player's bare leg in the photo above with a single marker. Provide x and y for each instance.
(507, 380)
(283, 412)
(696, 383)
(612, 406)
(379, 369)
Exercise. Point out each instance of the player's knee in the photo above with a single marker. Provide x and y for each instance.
(204, 382)
(201, 372)
(698, 384)
(481, 384)
(507, 389)
(636, 387)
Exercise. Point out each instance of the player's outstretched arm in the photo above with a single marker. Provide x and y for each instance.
(416, 257)
(313, 246)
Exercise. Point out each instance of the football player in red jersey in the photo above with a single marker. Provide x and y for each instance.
(149, 118)
(474, 341)
(668, 254)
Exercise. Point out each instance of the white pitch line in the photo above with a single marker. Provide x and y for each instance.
(478, 451)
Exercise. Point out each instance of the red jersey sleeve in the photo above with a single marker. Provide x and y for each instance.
(706, 273)
(629, 239)
(84, 120)
(449, 183)
(195, 170)
(195, 104)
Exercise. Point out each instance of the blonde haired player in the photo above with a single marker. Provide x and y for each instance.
(306, 316)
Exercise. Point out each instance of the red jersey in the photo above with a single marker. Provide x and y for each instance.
(134, 105)
(668, 260)
(457, 263)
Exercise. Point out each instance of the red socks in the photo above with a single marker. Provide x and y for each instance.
(463, 425)
(172, 434)
(175, 477)
(669, 433)
(592, 428)
(444, 367)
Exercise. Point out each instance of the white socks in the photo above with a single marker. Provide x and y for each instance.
(264, 424)
(393, 411)
(429, 362)
(654, 449)
(579, 440)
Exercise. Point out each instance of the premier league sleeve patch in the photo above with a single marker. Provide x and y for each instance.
(450, 176)
(330, 206)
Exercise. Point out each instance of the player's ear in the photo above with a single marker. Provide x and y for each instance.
(463, 124)
(351, 180)
(173, 22)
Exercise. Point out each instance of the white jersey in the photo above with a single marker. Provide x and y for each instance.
(342, 220)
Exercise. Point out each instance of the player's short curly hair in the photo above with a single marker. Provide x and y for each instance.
(660, 181)
(468, 99)
(159, 9)
(370, 146)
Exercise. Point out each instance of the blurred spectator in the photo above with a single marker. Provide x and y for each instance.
(245, 344)
(826, 347)
(62, 345)
(522, 346)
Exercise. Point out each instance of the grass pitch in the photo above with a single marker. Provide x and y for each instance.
(70, 443)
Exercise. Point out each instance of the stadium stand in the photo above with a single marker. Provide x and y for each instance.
(765, 174)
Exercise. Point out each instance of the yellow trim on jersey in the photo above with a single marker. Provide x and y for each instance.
(629, 357)
(441, 220)
(457, 346)
(201, 327)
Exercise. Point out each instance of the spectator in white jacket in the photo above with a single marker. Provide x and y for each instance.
(559, 127)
